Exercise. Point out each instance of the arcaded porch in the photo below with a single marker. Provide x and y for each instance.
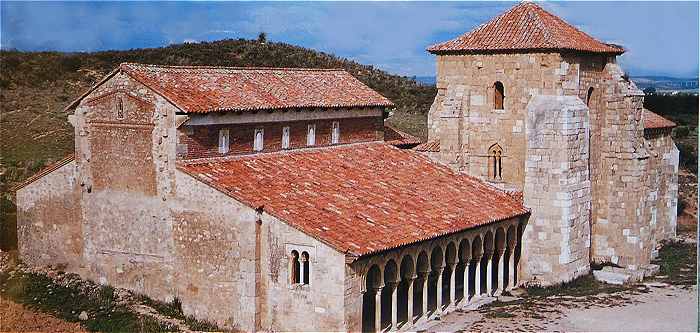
(410, 285)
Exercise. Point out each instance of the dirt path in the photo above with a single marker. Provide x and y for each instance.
(16, 318)
(663, 310)
(649, 308)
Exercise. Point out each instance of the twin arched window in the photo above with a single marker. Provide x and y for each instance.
(299, 268)
(498, 95)
(495, 166)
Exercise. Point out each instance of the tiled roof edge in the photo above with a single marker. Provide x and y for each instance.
(451, 232)
(43, 172)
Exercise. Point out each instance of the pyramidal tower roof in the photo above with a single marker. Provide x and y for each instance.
(524, 28)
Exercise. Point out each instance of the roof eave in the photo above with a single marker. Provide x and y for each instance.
(514, 51)
(359, 256)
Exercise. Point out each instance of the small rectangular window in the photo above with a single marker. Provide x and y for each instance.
(285, 137)
(335, 134)
(223, 141)
(259, 138)
(311, 135)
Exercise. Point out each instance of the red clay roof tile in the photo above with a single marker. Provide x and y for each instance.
(360, 198)
(524, 27)
(201, 89)
(654, 121)
(399, 138)
(430, 146)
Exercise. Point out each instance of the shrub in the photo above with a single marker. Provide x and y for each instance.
(688, 156)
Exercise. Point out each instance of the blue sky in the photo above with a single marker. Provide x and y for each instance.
(661, 37)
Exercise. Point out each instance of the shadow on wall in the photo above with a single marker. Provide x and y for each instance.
(8, 225)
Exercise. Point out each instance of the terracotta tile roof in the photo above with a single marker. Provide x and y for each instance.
(654, 121)
(399, 138)
(43, 172)
(524, 27)
(207, 89)
(430, 146)
(360, 198)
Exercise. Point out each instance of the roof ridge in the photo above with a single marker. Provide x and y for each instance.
(204, 67)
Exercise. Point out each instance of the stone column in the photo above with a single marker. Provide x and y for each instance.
(423, 277)
(465, 300)
(438, 307)
(394, 306)
(453, 275)
(477, 277)
(501, 274)
(489, 272)
(409, 313)
(302, 269)
(511, 269)
(378, 309)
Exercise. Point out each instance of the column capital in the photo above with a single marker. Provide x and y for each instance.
(376, 289)
(423, 275)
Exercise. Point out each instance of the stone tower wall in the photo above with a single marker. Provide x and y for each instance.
(463, 115)
(556, 240)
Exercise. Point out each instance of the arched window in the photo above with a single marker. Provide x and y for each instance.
(305, 262)
(259, 139)
(498, 95)
(335, 133)
(311, 135)
(495, 167)
(588, 97)
(120, 108)
(295, 268)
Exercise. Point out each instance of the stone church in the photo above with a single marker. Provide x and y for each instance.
(277, 198)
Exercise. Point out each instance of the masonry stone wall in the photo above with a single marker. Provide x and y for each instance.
(48, 223)
(661, 187)
(318, 306)
(463, 115)
(125, 166)
(213, 258)
(557, 189)
(627, 187)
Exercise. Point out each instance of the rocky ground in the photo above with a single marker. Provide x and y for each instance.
(17, 318)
